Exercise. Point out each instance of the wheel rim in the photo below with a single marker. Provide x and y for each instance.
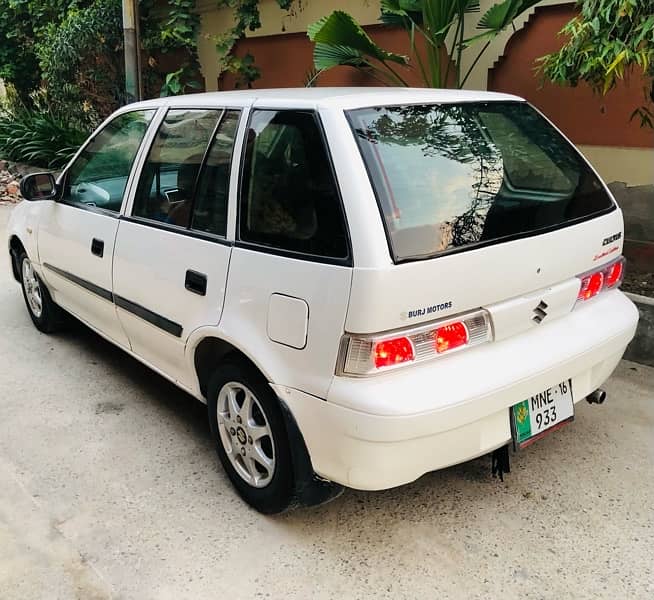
(32, 289)
(245, 434)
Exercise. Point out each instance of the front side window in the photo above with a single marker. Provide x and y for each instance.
(289, 199)
(167, 183)
(98, 176)
(460, 175)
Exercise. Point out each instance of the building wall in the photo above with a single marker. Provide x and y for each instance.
(274, 22)
(286, 60)
(620, 150)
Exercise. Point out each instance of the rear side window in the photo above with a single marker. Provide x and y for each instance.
(289, 199)
(212, 192)
(460, 175)
(167, 184)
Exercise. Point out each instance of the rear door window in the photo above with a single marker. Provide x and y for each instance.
(453, 176)
(289, 198)
(167, 184)
(212, 192)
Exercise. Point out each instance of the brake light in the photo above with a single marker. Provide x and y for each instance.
(609, 276)
(614, 274)
(451, 336)
(367, 355)
(393, 352)
(591, 285)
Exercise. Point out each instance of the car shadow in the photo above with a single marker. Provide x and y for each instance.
(167, 395)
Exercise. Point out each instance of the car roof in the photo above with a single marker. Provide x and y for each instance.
(334, 97)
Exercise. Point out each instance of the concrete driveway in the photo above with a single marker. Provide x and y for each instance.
(109, 488)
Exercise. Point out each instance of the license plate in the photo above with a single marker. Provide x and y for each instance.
(532, 418)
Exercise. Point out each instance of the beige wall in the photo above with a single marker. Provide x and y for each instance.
(633, 166)
(275, 21)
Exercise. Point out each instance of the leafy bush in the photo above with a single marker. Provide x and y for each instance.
(84, 50)
(21, 24)
(41, 134)
(604, 44)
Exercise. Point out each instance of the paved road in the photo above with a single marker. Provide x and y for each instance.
(109, 488)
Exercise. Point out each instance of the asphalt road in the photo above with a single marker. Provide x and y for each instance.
(109, 488)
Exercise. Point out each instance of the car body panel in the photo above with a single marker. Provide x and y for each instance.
(81, 281)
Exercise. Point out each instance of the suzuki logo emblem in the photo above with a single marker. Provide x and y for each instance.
(539, 312)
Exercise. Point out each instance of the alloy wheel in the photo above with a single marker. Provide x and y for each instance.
(245, 434)
(32, 289)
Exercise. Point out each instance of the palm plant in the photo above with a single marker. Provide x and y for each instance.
(340, 40)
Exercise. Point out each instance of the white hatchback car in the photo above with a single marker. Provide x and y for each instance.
(363, 285)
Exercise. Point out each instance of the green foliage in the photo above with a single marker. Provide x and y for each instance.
(169, 30)
(84, 50)
(175, 83)
(246, 18)
(339, 40)
(173, 31)
(605, 42)
(21, 21)
(41, 134)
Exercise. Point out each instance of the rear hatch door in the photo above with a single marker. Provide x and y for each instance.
(484, 204)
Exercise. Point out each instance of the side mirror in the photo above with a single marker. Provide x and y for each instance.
(38, 186)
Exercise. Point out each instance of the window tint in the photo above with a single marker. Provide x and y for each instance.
(99, 174)
(210, 207)
(167, 182)
(450, 176)
(289, 199)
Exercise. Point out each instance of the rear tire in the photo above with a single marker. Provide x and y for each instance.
(45, 314)
(251, 440)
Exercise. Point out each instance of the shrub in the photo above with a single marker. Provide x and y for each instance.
(83, 53)
(41, 134)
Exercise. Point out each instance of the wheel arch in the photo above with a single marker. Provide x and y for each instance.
(212, 350)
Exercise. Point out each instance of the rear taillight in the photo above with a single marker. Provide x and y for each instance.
(451, 336)
(393, 352)
(609, 276)
(614, 274)
(591, 285)
(367, 355)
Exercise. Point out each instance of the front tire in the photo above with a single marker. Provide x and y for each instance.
(248, 429)
(45, 314)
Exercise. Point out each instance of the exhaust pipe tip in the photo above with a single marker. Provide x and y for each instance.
(596, 397)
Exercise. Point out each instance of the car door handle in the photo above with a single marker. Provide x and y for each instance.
(196, 282)
(97, 247)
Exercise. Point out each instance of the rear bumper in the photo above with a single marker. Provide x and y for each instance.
(380, 432)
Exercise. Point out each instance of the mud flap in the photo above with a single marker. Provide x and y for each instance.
(310, 489)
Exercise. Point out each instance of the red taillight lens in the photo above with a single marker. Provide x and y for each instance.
(591, 285)
(451, 336)
(609, 276)
(393, 352)
(614, 274)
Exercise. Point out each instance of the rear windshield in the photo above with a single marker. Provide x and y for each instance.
(454, 176)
